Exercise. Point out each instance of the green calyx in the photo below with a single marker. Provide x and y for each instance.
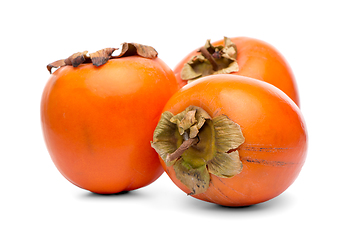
(211, 60)
(196, 145)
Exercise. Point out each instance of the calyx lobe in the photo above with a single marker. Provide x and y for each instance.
(100, 57)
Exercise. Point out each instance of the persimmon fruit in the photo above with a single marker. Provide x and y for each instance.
(98, 119)
(243, 56)
(231, 140)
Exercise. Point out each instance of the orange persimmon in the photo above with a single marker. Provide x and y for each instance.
(240, 56)
(98, 121)
(231, 140)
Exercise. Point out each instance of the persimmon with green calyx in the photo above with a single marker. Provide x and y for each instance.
(239, 56)
(98, 114)
(231, 140)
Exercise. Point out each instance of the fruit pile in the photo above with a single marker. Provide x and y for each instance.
(225, 124)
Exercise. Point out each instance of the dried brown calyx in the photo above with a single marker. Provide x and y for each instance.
(102, 56)
(196, 145)
(212, 60)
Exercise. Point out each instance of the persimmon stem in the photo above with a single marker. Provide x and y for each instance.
(183, 147)
(209, 57)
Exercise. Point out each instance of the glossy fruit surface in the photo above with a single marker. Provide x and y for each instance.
(256, 59)
(98, 122)
(275, 135)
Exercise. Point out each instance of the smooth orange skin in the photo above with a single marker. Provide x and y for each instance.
(257, 59)
(275, 144)
(98, 122)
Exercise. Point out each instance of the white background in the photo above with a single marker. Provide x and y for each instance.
(319, 39)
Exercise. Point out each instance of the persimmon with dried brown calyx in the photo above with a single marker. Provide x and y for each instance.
(239, 56)
(231, 140)
(98, 112)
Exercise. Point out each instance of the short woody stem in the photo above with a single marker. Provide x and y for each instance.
(183, 147)
(209, 57)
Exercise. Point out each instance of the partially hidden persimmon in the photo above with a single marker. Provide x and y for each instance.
(231, 140)
(98, 114)
(243, 56)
